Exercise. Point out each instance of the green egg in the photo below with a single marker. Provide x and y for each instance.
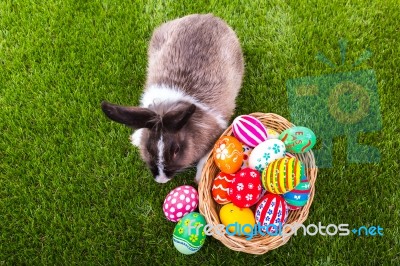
(299, 196)
(298, 139)
(189, 235)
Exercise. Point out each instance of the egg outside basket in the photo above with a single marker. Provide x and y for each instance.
(210, 209)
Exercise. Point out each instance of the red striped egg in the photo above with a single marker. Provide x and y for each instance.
(271, 212)
(249, 130)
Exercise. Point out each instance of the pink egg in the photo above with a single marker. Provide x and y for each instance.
(179, 202)
(249, 130)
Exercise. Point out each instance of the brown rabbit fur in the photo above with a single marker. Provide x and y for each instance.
(195, 71)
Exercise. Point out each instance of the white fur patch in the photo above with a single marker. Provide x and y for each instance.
(200, 166)
(162, 93)
(161, 178)
(136, 137)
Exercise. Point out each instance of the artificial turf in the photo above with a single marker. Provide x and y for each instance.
(73, 190)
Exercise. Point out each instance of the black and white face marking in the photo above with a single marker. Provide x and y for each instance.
(155, 149)
(164, 156)
(161, 176)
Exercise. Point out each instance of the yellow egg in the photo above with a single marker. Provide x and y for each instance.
(272, 134)
(231, 214)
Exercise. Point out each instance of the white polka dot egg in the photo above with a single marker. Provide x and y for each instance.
(179, 202)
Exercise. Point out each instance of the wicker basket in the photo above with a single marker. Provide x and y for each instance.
(210, 209)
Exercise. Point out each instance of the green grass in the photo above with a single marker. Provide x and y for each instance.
(74, 191)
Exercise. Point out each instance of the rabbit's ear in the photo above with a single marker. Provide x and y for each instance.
(176, 118)
(136, 117)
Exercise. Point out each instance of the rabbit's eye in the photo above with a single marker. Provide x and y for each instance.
(174, 149)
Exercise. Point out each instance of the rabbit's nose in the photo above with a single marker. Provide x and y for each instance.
(162, 178)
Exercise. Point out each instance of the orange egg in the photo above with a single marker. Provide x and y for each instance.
(228, 154)
(220, 187)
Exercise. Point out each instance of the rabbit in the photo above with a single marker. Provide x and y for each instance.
(194, 74)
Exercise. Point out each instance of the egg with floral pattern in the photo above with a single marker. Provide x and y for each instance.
(228, 154)
(246, 188)
(266, 152)
(179, 202)
(189, 235)
(271, 212)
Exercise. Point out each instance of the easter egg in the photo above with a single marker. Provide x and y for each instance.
(249, 130)
(282, 175)
(246, 154)
(246, 188)
(233, 217)
(271, 212)
(179, 202)
(228, 154)
(292, 207)
(265, 153)
(220, 187)
(189, 235)
(272, 134)
(299, 196)
(298, 139)
(289, 155)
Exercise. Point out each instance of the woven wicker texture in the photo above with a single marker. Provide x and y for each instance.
(210, 209)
